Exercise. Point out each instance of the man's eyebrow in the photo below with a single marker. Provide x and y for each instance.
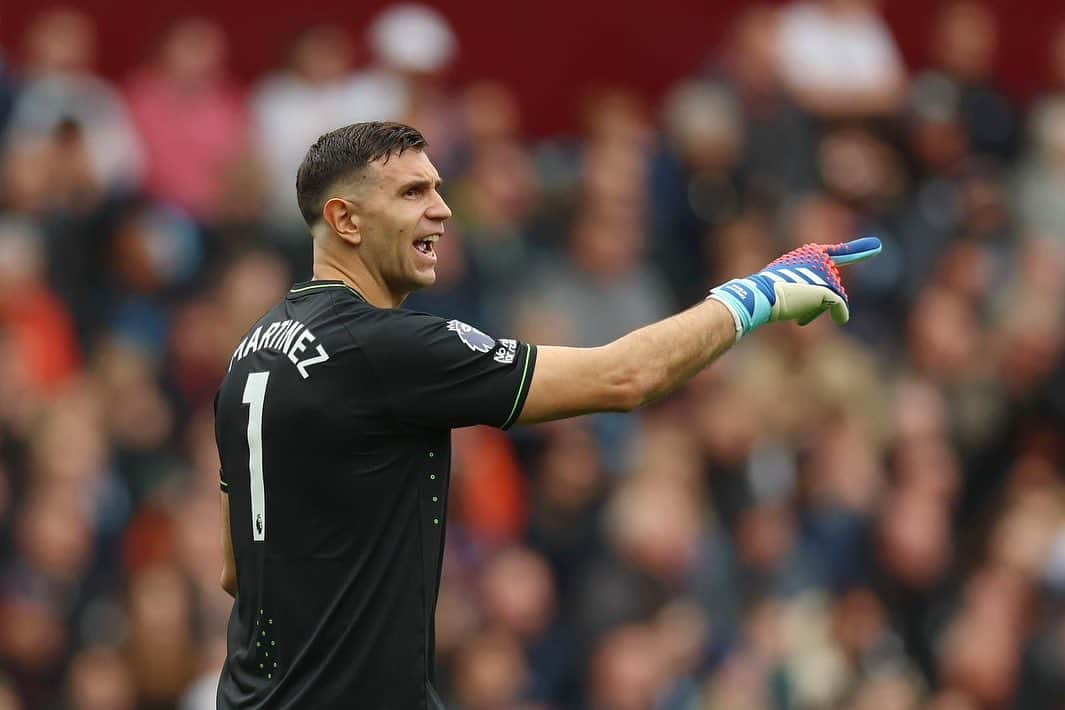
(421, 183)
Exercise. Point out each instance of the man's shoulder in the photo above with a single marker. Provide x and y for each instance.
(343, 310)
(382, 329)
(398, 333)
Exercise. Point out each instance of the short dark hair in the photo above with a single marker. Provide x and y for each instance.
(345, 151)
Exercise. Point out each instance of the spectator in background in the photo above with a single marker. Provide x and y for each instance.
(1041, 178)
(60, 92)
(695, 184)
(964, 41)
(980, 651)
(1029, 349)
(914, 559)
(160, 649)
(661, 548)
(33, 642)
(863, 171)
(290, 108)
(51, 174)
(839, 59)
(153, 252)
(1042, 181)
(778, 148)
(41, 587)
(568, 491)
(601, 285)
(37, 324)
(510, 653)
(937, 142)
(189, 116)
(601, 282)
(413, 46)
(100, 680)
(491, 115)
(490, 672)
(626, 671)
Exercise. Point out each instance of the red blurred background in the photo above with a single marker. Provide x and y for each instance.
(549, 51)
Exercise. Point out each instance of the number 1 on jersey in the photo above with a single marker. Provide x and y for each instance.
(254, 394)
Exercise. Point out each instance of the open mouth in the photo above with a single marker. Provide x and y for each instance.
(427, 245)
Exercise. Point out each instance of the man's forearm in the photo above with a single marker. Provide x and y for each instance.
(666, 354)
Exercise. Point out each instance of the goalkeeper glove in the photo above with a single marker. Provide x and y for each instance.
(799, 286)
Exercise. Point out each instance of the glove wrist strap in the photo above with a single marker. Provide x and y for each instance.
(736, 319)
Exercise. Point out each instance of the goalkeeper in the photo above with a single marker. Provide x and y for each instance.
(334, 422)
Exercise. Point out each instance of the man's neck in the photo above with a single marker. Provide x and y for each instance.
(358, 277)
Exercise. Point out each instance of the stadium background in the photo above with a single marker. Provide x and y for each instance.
(866, 518)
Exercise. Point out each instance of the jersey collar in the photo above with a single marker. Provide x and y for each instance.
(311, 286)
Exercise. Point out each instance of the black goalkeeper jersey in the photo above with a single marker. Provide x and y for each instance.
(333, 427)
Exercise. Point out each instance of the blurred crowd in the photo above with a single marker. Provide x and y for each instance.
(859, 518)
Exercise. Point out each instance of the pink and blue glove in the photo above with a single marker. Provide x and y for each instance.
(799, 286)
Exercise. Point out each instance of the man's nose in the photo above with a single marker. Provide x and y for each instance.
(439, 210)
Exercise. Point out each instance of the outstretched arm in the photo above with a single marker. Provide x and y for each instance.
(653, 361)
(631, 371)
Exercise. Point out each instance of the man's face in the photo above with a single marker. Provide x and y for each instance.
(401, 215)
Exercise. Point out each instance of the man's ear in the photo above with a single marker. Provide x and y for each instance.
(341, 217)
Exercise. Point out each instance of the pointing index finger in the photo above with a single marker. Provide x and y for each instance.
(852, 251)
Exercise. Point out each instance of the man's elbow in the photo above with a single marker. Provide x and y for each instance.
(638, 387)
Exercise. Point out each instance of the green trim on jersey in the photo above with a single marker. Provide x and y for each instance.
(314, 286)
(521, 389)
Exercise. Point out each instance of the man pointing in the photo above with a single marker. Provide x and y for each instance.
(333, 424)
